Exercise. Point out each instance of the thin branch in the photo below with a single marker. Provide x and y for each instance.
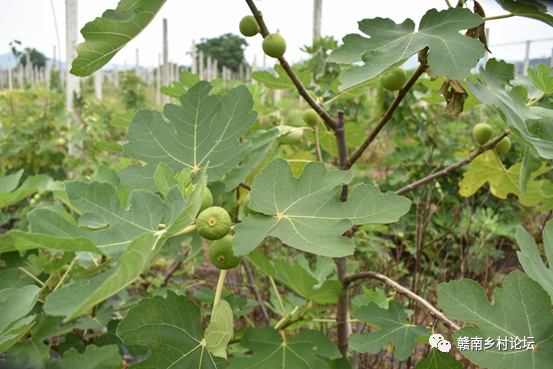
(318, 144)
(448, 4)
(404, 291)
(246, 186)
(31, 275)
(174, 268)
(454, 167)
(503, 16)
(255, 291)
(176, 265)
(341, 263)
(299, 86)
(341, 141)
(65, 274)
(388, 115)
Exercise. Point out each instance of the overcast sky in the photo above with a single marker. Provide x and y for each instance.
(32, 22)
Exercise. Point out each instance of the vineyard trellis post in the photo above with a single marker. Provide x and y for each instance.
(73, 87)
(165, 77)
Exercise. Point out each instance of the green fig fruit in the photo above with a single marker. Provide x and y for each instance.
(394, 79)
(222, 255)
(207, 200)
(310, 117)
(213, 223)
(249, 26)
(247, 209)
(290, 135)
(482, 133)
(503, 146)
(274, 45)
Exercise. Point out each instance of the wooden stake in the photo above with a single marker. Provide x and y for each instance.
(137, 65)
(10, 81)
(165, 80)
(317, 16)
(194, 58)
(72, 82)
(158, 81)
(526, 64)
(201, 64)
(98, 80)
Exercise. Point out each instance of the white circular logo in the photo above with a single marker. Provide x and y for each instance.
(438, 341)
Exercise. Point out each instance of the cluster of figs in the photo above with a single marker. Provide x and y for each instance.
(213, 223)
(482, 133)
(274, 45)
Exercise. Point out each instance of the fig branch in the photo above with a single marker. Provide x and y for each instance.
(404, 291)
(299, 86)
(388, 115)
(454, 167)
(341, 263)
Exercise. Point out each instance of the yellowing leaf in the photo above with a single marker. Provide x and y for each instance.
(488, 168)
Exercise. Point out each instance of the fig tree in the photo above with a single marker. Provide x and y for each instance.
(503, 146)
(247, 209)
(482, 133)
(310, 117)
(274, 45)
(222, 255)
(213, 223)
(394, 79)
(249, 26)
(207, 200)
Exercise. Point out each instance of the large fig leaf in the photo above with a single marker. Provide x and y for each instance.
(105, 36)
(490, 88)
(521, 309)
(451, 53)
(531, 260)
(82, 295)
(203, 132)
(94, 357)
(393, 327)
(528, 8)
(171, 327)
(101, 199)
(307, 350)
(488, 168)
(306, 213)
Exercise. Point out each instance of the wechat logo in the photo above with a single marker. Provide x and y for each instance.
(438, 341)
